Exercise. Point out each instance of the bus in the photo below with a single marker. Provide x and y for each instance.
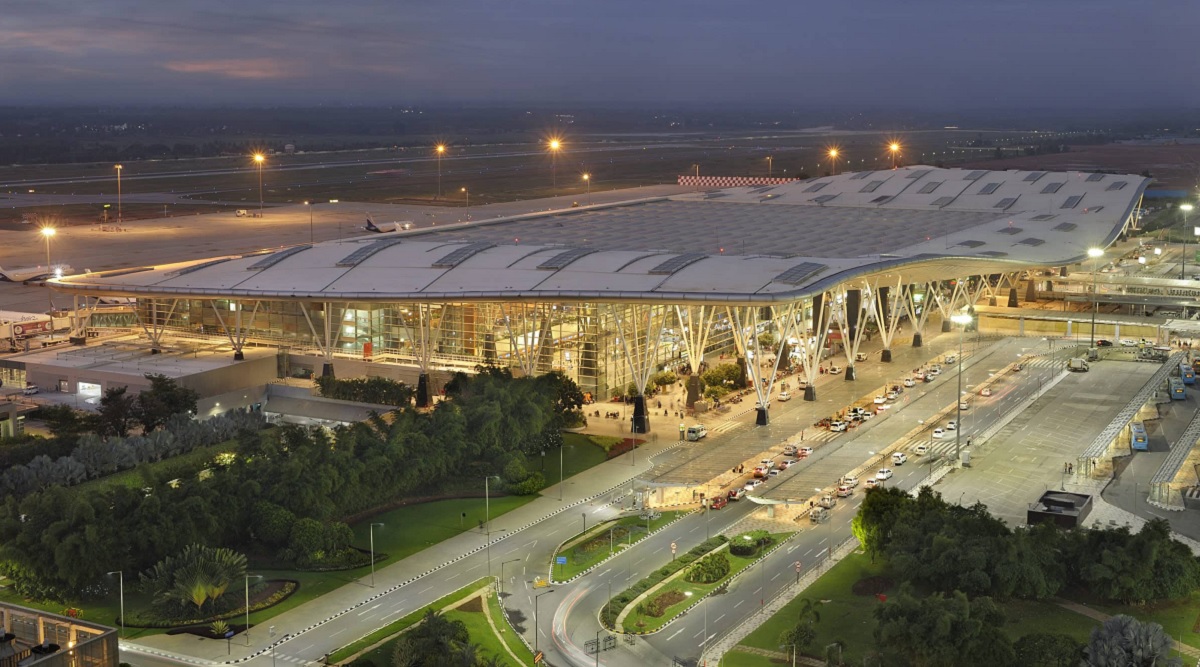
(1187, 374)
(1138, 439)
(1175, 389)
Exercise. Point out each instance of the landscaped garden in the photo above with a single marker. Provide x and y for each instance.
(599, 542)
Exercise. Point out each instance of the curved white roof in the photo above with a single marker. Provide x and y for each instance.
(740, 245)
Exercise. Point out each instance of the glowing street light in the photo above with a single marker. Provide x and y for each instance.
(894, 149)
(587, 179)
(441, 148)
(555, 146)
(963, 320)
(118, 168)
(468, 195)
(770, 165)
(48, 233)
(833, 156)
(259, 158)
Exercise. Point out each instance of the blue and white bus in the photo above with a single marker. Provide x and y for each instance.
(1187, 374)
(1137, 437)
(1175, 389)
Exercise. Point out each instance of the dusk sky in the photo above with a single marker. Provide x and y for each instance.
(914, 53)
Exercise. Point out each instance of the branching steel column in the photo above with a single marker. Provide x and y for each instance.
(886, 308)
(849, 312)
(641, 332)
(428, 335)
(695, 339)
(743, 317)
(814, 343)
(911, 303)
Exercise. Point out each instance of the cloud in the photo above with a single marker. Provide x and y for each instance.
(249, 68)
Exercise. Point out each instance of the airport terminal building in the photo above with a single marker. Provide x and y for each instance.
(790, 273)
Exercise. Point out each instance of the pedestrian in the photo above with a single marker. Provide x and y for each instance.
(1064, 466)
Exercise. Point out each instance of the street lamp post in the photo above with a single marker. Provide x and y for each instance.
(894, 149)
(371, 530)
(259, 158)
(246, 630)
(502, 564)
(121, 584)
(118, 168)
(962, 320)
(770, 166)
(48, 233)
(1186, 208)
(487, 519)
(560, 472)
(555, 147)
(310, 220)
(833, 156)
(467, 192)
(441, 148)
(1095, 254)
(535, 617)
(587, 180)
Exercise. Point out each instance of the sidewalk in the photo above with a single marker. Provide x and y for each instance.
(600, 482)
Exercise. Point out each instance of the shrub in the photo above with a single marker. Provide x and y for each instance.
(659, 604)
(710, 569)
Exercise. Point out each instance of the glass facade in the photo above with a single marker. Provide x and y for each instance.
(49, 640)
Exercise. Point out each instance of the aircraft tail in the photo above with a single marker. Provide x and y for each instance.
(370, 227)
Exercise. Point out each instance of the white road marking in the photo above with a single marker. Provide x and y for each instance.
(370, 609)
(676, 633)
(427, 588)
(719, 618)
(738, 604)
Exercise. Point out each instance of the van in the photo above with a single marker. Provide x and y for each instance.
(696, 432)
(30, 389)
(818, 515)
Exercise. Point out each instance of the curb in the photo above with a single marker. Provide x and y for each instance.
(614, 554)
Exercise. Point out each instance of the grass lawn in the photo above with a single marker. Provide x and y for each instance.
(506, 632)
(578, 560)
(1178, 618)
(637, 622)
(580, 452)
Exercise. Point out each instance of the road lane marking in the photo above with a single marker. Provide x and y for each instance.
(370, 609)
(676, 633)
(738, 604)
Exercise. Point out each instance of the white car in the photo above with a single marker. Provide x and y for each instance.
(933, 372)
(921, 450)
(986, 391)
(963, 405)
(767, 463)
(850, 481)
(950, 358)
(899, 458)
(872, 482)
(805, 452)
(952, 425)
(891, 396)
(909, 382)
(773, 472)
(883, 474)
(784, 396)
(837, 427)
(939, 432)
(880, 400)
(753, 484)
(835, 370)
(1125, 342)
(885, 406)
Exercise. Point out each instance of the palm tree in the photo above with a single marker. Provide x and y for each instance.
(1124, 641)
(802, 633)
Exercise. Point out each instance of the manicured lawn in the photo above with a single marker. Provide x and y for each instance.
(637, 622)
(578, 560)
(382, 654)
(506, 632)
(409, 529)
(1178, 618)
(580, 452)
(1027, 616)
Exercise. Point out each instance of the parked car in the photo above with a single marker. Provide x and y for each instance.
(718, 502)
(963, 405)
(861, 356)
(952, 425)
(773, 472)
(891, 395)
(789, 450)
(921, 449)
(787, 463)
(899, 458)
(872, 483)
(30, 389)
(767, 463)
(950, 359)
(844, 491)
(761, 471)
(884, 474)
(805, 452)
(752, 484)
(737, 494)
(837, 427)
(1104, 343)
(909, 382)
(985, 392)
(1127, 342)
(850, 481)
(939, 432)
(880, 399)
(835, 370)
(784, 396)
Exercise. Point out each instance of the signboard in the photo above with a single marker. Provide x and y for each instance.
(561, 560)
(30, 328)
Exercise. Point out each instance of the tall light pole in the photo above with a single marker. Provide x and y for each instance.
(770, 166)
(535, 618)
(371, 530)
(894, 149)
(259, 158)
(310, 220)
(833, 156)
(467, 192)
(118, 168)
(555, 147)
(48, 233)
(1186, 208)
(1095, 254)
(487, 519)
(697, 168)
(587, 180)
(560, 472)
(246, 630)
(441, 149)
(962, 319)
(121, 583)
(502, 564)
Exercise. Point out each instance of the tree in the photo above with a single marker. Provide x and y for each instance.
(1124, 641)
(117, 413)
(197, 575)
(164, 398)
(431, 642)
(876, 518)
(804, 631)
(942, 631)
(65, 422)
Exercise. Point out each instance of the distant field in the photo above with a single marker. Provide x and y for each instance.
(491, 173)
(1173, 167)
